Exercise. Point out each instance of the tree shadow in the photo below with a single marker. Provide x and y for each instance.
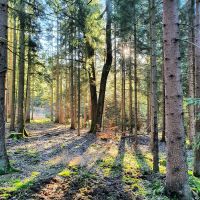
(143, 166)
(78, 146)
(108, 185)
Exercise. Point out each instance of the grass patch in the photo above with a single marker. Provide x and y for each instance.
(41, 121)
(65, 173)
(16, 185)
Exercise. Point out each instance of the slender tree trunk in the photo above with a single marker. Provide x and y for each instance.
(176, 177)
(20, 117)
(67, 96)
(191, 80)
(148, 104)
(4, 162)
(13, 107)
(57, 117)
(135, 74)
(61, 113)
(92, 83)
(115, 79)
(163, 139)
(197, 90)
(28, 88)
(107, 66)
(85, 102)
(51, 100)
(72, 91)
(123, 104)
(130, 95)
(79, 98)
(75, 91)
(32, 96)
(154, 99)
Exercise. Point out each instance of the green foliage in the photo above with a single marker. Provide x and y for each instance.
(194, 183)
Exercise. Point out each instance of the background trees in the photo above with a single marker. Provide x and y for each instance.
(62, 68)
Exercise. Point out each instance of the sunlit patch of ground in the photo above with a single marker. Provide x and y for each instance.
(55, 163)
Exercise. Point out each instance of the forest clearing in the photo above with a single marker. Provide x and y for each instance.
(100, 99)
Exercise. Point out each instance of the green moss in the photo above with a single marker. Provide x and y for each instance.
(15, 185)
(106, 162)
(65, 173)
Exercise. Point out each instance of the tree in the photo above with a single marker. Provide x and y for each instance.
(135, 74)
(4, 162)
(20, 117)
(176, 177)
(130, 94)
(107, 66)
(13, 103)
(191, 81)
(154, 99)
(197, 90)
(28, 83)
(123, 101)
(72, 89)
(92, 83)
(57, 117)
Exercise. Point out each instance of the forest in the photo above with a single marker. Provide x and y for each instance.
(100, 99)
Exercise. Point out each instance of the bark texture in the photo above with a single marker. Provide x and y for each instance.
(197, 90)
(13, 107)
(4, 162)
(191, 78)
(176, 177)
(20, 117)
(92, 83)
(28, 87)
(154, 99)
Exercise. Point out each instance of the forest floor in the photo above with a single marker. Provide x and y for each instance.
(54, 163)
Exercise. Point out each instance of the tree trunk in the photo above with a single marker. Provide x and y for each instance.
(13, 107)
(197, 90)
(52, 96)
(107, 66)
(4, 162)
(123, 103)
(176, 177)
(28, 88)
(32, 96)
(191, 80)
(92, 82)
(154, 99)
(61, 113)
(130, 95)
(20, 117)
(135, 74)
(115, 79)
(72, 91)
(79, 97)
(67, 96)
(57, 117)
(163, 139)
